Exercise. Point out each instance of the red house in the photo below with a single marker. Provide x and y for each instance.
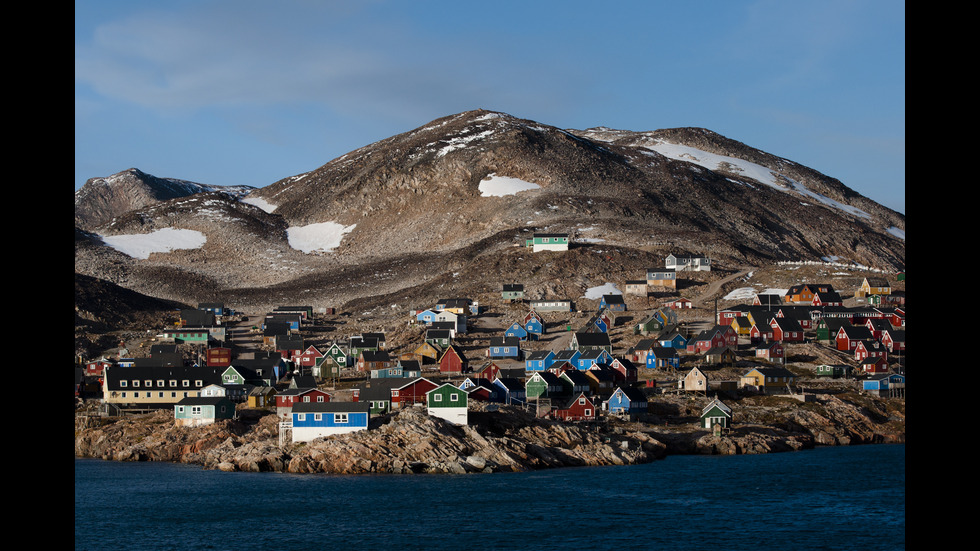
(760, 333)
(309, 357)
(869, 349)
(772, 352)
(580, 408)
(453, 361)
(95, 368)
(848, 336)
(786, 330)
(874, 365)
(218, 357)
(894, 340)
(411, 393)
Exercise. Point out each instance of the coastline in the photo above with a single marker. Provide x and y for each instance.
(504, 439)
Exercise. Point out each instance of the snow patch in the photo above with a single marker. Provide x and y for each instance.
(595, 293)
(160, 241)
(897, 232)
(261, 203)
(321, 237)
(499, 186)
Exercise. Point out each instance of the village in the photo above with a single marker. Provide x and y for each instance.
(610, 354)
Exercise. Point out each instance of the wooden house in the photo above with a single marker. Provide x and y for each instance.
(626, 400)
(517, 331)
(870, 349)
(894, 340)
(449, 403)
(539, 360)
(627, 370)
(512, 292)
(673, 337)
(680, 304)
(195, 411)
(637, 287)
(218, 356)
(772, 352)
(370, 360)
(885, 385)
(786, 330)
(661, 278)
(803, 293)
(722, 355)
(440, 338)
(579, 408)
(548, 242)
(453, 361)
(315, 420)
(591, 357)
(574, 382)
(874, 286)
(613, 303)
(832, 371)
(481, 390)
(874, 365)
(716, 414)
(551, 305)
(694, 381)
(95, 368)
(534, 327)
(512, 390)
(848, 336)
(697, 263)
(663, 358)
(590, 341)
(542, 384)
(287, 399)
(768, 379)
(568, 355)
(603, 380)
(413, 391)
(504, 347)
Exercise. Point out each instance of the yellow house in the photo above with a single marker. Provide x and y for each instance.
(742, 325)
(763, 378)
(874, 286)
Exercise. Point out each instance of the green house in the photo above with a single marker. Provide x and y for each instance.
(547, 242)
(716, 414)
(203, 410)
(543, 384)
(186, 335)
(512, 291)
(448, 402)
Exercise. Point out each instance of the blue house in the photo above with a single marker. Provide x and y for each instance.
(312, 420)
(516, 330)
(661, 357)
(539, 360)
(590, 358)
(613, 303)
(512, 390)
(534, 326)
(426, 316)
(566, 355)
(504, 347)
(673, 339)
(885, 384)
(627, 401)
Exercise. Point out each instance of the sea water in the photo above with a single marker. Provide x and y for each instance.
(826, 498)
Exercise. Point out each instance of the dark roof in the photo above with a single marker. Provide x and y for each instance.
(332, 407)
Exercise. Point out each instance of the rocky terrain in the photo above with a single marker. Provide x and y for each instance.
(502, 439)
(410, 215)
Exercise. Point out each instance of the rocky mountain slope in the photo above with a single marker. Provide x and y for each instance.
(452, 201)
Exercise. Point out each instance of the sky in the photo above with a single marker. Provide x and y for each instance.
(247, 92)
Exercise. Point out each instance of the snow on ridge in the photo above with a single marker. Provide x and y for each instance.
(899, 233)
(745, 168)
(160, 241)
(260, 203)
(320, 237)
(499, 186)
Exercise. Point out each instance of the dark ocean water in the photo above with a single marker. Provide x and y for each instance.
(827, 498)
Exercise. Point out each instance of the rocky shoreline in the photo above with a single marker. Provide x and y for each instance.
(503, 439)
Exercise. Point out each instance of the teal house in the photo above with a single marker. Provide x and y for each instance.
(203, 410)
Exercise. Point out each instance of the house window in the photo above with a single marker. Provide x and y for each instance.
(319, 398)
(173, 394)
(454, 397)
(160, 383)
(149, 384)
(198, 384)
(136, 395)
(301, 417)
(437, 397)
(306, 398)
(588, 413)
(173, 382)
(195, 410)
(187, 383)
(123, 395)
(122, 384)
(318, 417)
(161, 395)
(340, 418)
(136, 384)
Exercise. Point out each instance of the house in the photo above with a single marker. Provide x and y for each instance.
(637, 287)
(848, 336)
(339, 354)
(440, 338)
(218, 356)
(885, 385)
(287, 399)
(626, 369)
(542, 385)
(318, 419)
(722, 355)
(627, 400)
(154, 387)
(551, 305)
(370, 360)
(96, 368)
(512, 292)
(661, 278)
(772, 352)
(448, 402)
(412, 391)
(613, 303)
(768, 379)
(426, 316)
(661, 357)
(894, 340)
(672, 337)
(358, 344)
(873, 286)
(832, 371)
(574, 382)
(769, 300)
(591, 357)
(590, 341)
(547, 242)
(539, 360)
(874, 365)
(803, 293)
(504, 347)
(694, 381)
(716, 414)
(786, 330)
(195, 411)
(829, 298)
(534, 327)
(680, 304)
(187, 335)
(579, 408)
(870, 349)
(453, 361)
(603, 380)
(517, 331)
(698, 263)
(512, 390)
(481, 390)
(410, 368)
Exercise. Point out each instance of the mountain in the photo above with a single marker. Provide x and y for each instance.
(445, 207)
(102, 199)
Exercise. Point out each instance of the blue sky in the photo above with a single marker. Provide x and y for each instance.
(230, 92)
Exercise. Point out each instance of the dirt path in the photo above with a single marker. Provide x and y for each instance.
(714, 287)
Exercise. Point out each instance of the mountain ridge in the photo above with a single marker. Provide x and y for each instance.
(420, 198)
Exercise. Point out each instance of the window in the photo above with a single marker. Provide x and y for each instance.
(123, 395)
(306, 398)
(437, 397)
(187, 383)
(122, 384)
(198, 383)
(301, 417)
(318, 417)
(454, 397)
(160, 383)
(136, 395)
(136, 384)
(319, 399)
(161, 395)
(148, 383)
(195, 410)
(173, 382)
(180, 409)
(340, 418)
